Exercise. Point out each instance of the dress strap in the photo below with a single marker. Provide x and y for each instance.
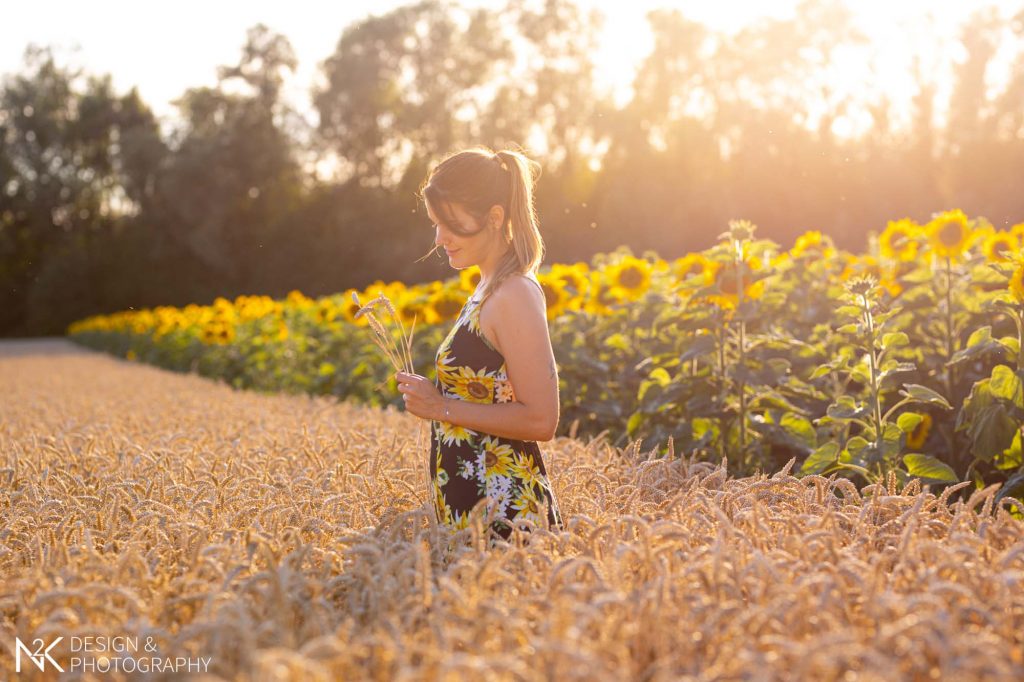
(533, 278)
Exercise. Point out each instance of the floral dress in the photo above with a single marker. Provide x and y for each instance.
(466, 465)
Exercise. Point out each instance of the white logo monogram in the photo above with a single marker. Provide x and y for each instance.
(40, 656)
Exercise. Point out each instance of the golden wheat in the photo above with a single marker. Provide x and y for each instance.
(291, 538)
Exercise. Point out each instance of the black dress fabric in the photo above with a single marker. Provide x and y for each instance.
(467, 466)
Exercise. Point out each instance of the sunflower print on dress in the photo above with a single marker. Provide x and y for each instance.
(468, 466)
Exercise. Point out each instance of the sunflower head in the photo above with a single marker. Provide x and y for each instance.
(603, 296)
(415, 308)
(917, 437)
(631, 276)
(949, 234)
(218, 333)
(447, 303)
(861, 265)
(298, 299)
(1017, 282)
(739, 231)
(998, 246)
(899, 240)
(575, 278)
(325, 311)
(813, 244)
(469, 278)
(861, 286)
(690, 265)
(350, 307)
(724, 277)
(555, 295)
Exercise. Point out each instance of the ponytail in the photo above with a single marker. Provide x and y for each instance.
(521, 227)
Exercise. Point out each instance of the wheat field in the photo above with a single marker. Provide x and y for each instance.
(291, 538)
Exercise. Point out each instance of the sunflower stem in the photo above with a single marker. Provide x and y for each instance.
(949, 328)
(1018, 319)
(876, 406)
(720, 335)
(741, 360)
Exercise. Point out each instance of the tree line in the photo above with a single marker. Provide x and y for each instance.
(101, 210)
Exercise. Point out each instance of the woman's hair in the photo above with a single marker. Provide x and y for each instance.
(479, 178)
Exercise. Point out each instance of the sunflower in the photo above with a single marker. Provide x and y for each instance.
(527, 470)
(453, 434)
(631, 276)
(1017, 283)
(556, 298)
(949, 234)
(297, 299)
(723, 277)
(917, 437)
(690, 265)
(415, 308)
(475, 386)
(603, 296)
(218, 333)
(473, 324)
(528, 504)
(860, 266)
(446, 370)
(447, 303)
(573, 276)
(444, 512)
(891, 285)
(469, 278)
(899, 240)
(349, 308)
(576, 281)
(999, 245)
(325, 311)
(497, 457)
(460, 520)
(813, 244)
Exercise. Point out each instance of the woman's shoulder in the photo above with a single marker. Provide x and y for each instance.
(518, 290)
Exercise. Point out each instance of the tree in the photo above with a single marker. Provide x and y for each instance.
(223, 194)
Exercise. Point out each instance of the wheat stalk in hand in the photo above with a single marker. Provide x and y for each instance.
(400, 356)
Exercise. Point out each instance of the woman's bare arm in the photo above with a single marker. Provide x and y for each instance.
(520, 331)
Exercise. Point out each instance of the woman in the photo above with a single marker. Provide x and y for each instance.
(496, 393)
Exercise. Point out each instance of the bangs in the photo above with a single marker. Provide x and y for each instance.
(441, 203)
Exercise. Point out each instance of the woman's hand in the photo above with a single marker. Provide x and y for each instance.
(421, 396)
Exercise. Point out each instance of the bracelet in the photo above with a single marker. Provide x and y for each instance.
(446, 411)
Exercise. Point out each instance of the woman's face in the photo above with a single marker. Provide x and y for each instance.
(464, 250)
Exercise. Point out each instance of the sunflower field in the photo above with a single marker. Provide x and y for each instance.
(904, 360)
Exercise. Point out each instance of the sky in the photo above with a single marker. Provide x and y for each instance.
(165, 51)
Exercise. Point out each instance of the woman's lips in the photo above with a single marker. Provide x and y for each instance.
(451, 251)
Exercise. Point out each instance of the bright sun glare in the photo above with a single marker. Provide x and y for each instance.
(898, 34)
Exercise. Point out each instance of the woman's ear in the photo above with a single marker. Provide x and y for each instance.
(497, 216)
